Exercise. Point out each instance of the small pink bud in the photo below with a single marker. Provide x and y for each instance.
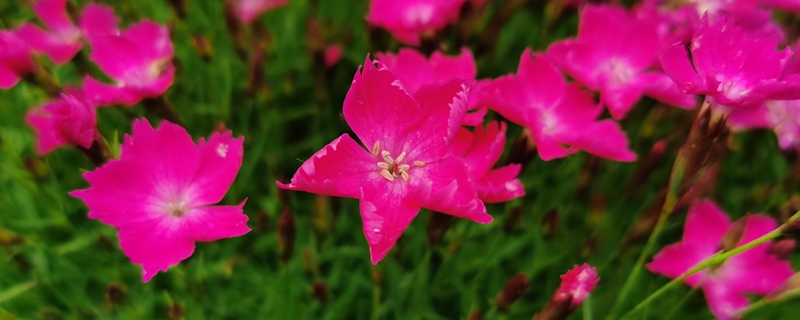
(576, 284)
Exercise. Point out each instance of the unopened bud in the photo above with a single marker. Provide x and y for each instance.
(576, 284)
(550, 223)
(115, 293)
(176, 311)
(286, 234)
(437, 227)
(707, 142)
(320, 291)
(475, 315)
(511, 291)
(733, 236)
(512, 220)
(262, 221)
(310, 262)
(321, 219)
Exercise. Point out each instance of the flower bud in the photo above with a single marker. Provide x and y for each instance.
(286, 235)
(782, 248)
(202, 46)
(475, 315)
(511, 292)
(320, 291)
(176, 311)
(576, 284)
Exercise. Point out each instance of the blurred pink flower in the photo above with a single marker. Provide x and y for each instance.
(792, 6)
(138, 59)
(613, 54)
(248, 10)
(67, 120)
(332, 55)
(159, 194)
(408, 162)
(414, 71)
(782, 116)
(480, 149)
(407, 20)
(752, 272)
(63, 39)
(734, 67)
(577, 284)
(556, 113)
(15, 58)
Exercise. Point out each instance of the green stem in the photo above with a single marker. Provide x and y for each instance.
(669, 204)
(716, 259)
(376, 295)
(791, 294)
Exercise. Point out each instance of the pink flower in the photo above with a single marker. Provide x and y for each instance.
(407, 20)
(408, 162)
(577, 284)
(15, 59)
(414, 71)
(613, 54)
(332, 55)
(725, 286)
(734, 67)
(67, 120)
(248, 10)
(63, 41)
(159, 194)
(556, 113)
(139, 59)
(480, 150)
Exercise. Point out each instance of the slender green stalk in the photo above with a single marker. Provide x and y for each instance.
(376, 294)
(669, 204)
(716, 259)
(791, 294)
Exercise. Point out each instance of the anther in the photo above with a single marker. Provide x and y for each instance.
(386, 174)
(403, 168)
(383, 165)
(400, 157)
(405, 176)
(419, 163)
(376, 148)
(387, 157)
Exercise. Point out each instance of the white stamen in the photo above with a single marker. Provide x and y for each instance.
(403, 168)
(405, 176)
(376, 148)
(400, 157)
(386, 174)
(419, 163)
(383, 165)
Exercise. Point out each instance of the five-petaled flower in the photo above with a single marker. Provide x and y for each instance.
(408, 20)
(614, 54)
(556, 112)
(733, 67)
(406, 161)
(138, 59)
(754, 271)
(159, 194)
(63, 41)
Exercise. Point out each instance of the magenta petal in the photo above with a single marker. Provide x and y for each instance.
(705, 226)
(722, 300)
(660, 87)
(221, 159)
(675, 259)
(750, 118)
(339, 169)
(620, 99)
(54, 46)
(47, 137)
(97, 20)
(155, 244)
(500, 185)
(379, 109)
(444, 186)
(112, 202)
(8, 78)
(485, 149)
(215, 222)
(385, 215)
(604, 138)
(755, 274)
(103, 95)
(442, 109)
(678, 66)
(550, 149)
(170, 151)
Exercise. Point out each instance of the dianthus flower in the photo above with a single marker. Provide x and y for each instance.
(614, 54)
(754, 271)
(248, 10)
(159, 194)
(407, 20)
(63, 39)
(733, 67)
(556, 113)
(15, 58)
(577, 284)
(138, 59)
(404, 162)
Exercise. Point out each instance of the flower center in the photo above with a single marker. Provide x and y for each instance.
(393, 168)
(177, 208)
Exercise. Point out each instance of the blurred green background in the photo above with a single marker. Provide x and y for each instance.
(55, 263)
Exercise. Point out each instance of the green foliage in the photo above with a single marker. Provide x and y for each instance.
(55, 263)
